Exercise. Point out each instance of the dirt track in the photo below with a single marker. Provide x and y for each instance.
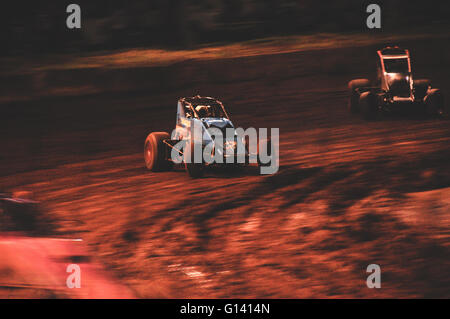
(349, 193)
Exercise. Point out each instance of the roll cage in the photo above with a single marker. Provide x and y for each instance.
(393, 53)
(394, 68)
(187, 107)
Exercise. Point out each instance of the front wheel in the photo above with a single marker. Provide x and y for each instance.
(195, 170)
(155, 152)
(421, 88)
(434, 103)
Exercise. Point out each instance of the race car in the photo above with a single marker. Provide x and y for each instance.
(197, 118)
(394, 89)
(18, 212)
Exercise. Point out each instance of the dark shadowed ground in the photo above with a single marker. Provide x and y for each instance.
(349, 193)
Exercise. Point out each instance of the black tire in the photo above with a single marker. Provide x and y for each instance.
(434, 103)
(195, 170)
(421, 88)
(155, 152)
(368, 105)
(353, 85)
(266, 146)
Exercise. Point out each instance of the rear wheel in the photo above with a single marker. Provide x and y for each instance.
(267, 155)
(155, 152)
(434, 103)
(368, 105)
(353, 86)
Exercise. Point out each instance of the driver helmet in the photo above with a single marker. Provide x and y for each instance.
(202, 110)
